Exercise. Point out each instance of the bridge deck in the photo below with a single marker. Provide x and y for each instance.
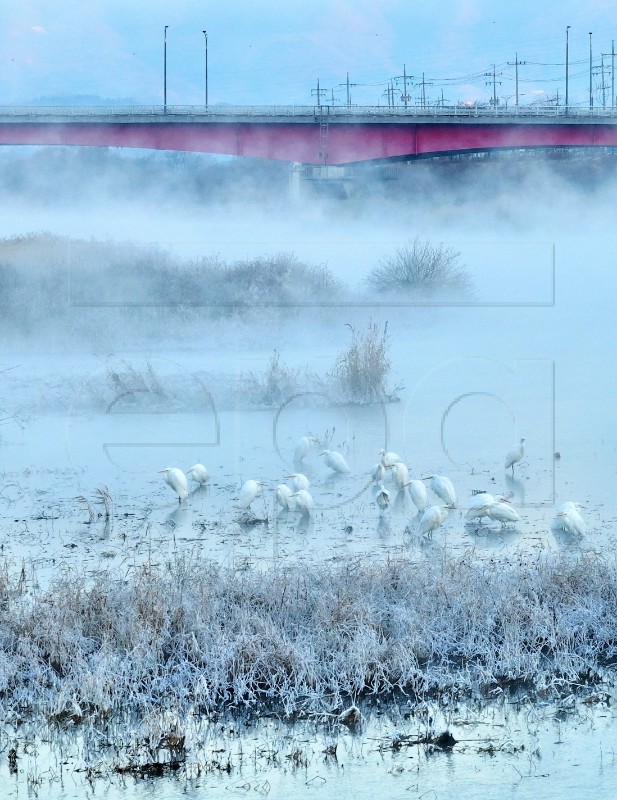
(311, 135)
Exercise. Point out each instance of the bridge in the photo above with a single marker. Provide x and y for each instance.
(312, 135)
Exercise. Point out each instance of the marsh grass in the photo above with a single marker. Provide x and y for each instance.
(361, 371)
(196, 638)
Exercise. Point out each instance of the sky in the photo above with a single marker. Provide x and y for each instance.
(263, 52)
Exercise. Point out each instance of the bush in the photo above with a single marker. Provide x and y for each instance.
(360, 372)
(420, 267)
(275, 385)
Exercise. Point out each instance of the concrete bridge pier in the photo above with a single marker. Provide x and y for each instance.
(336, 180)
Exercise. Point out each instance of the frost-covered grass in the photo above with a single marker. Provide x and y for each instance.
(195, 637)
(361, 371)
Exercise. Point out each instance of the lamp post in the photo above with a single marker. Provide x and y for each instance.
(590, 70)
(205, 33)
(567, 42)
(165, 70)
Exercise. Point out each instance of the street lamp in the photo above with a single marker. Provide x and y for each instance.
(165, 70)
(590, 70)
(567, 42)
(205, 33)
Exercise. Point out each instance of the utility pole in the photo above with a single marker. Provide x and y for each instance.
(603, 84)
(424, 84)
(516, 63)
(613, 74)
(567, 71)
(348, 86)
(319, 93)
(404, 77)
(494, 82)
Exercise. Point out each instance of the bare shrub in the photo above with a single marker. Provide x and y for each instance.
(275, 385)
(280, 280)
(360, 372)
(420, 267)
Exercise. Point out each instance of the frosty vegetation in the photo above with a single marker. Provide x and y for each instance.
(420, 267)
(194, 637)
(99, 286)
(361, 371)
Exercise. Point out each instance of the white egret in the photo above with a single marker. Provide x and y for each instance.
(417, 492)
(443, 488)
(335, 460)
(175, 478)
(400, 475)
(249, 491)
(514, 455)
(304, 501)
(478, 505)
(433, 517)
(378, 472)
(284, 497)
(389, 458)
(569, 519)
(304, 447)
(502, 511)
(382, 496)
(198, 473)
(298, 481)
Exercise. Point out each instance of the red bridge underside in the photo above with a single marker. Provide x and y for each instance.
(339, 143)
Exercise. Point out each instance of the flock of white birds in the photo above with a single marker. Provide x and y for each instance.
(296, 496)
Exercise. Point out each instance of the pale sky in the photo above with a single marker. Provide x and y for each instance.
(273, 52)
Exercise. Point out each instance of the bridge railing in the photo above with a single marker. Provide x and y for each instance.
(332, 111)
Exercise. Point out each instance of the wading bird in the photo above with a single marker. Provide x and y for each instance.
(569, 519)
(378, 472)
(284, 497)
(382, 497)
(335, 461)
(304, 447)
(249, 491)
(503, 512)
(400, 475)
(298, 481)
(432, 518)
(514, 455)
(304, 501)
(443, 488)
(417, 492)
(198, 473)
(175, 478)
(478, 506)
(388, 459)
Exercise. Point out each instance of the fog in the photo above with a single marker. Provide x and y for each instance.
(160, 310)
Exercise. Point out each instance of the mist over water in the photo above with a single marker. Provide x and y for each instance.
(527, 352)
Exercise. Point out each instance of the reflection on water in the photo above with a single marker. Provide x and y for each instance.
(507, 747)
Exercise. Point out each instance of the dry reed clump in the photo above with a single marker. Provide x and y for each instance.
(196, 637)
(360, 373)
(420, 267)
